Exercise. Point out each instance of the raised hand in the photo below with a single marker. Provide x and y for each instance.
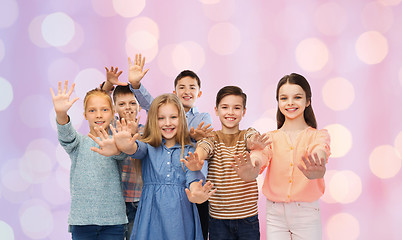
(258, 142)
(198, 193)
(134, 122)
(135, 71)
(62, 103)
(125, 141)
(201, 131)
(107, 145)
(315, 167)
(112, 76)
(245, 168)
(193, 162)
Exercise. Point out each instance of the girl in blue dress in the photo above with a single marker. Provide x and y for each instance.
(164, 211)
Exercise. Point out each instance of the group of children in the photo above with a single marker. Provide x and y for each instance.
(176, 178)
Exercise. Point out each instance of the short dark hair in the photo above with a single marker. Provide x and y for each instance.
(297, 79)
(231, 90)
(121, 90)
(187, 73)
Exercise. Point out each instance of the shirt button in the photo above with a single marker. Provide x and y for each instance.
(168, 152)
(168, 175)
(168, 163)
(291, 164)
(288, 196)
(290, 180)
(291, 148)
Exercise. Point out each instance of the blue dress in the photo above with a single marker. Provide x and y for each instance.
(164, 211)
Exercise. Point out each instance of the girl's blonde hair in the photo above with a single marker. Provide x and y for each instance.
(98, 92)
(152, 134)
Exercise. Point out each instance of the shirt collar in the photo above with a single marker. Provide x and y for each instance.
(192, 111)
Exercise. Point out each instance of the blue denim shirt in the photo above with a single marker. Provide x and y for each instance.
(194, 117)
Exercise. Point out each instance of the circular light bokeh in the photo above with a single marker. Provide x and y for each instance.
(9, 13)
(331, 90)
(366, 51)
(142, 42)
(188, 55)
(103, 7)
(129, 8)
(2, 50)
(345, 186)
(376, 16)
(36, 219)
(343, 226)
(219, 11)
(385, 161)
(6, 231)
(32, 108)
(58, 29)
(35, 32)
(341, 140)
(312, 54)
(6, 94)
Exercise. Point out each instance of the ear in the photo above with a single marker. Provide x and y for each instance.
(139, 109)
(244, 112)
(308, 103)
(174, 92)
(85, 116)
(199, 94)
(216, 111)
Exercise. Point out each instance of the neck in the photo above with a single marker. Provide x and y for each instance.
(294, 124)
(186, 109)
(233, 130)
(170, 143)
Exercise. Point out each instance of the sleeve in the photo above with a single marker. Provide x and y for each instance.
(143, 97)
(68, 137)
(321, 141)
(122, 156)
(192, 176)
(142, 150)
(208, 145)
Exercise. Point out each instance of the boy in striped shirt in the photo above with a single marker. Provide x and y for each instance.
(233, 208)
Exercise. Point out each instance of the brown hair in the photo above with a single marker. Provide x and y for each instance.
(231, 90)
(297, 79)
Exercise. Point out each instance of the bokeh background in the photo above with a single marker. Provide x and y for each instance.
(350, 51)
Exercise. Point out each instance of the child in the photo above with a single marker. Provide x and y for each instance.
(233, 209)
(164, 212)
(97, 204)
(187, 87)
(126, 107)
(292, 193)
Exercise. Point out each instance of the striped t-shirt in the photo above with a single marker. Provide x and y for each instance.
(234, 198)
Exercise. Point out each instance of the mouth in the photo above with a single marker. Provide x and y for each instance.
(168, 130)
(230, 118)
(187, 98)
(292, 109)
(99, 123)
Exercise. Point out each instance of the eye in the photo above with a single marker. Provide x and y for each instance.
(174, 117)
(133, 103)
(121, 104)
(106, 110)
(283, 98)
(298, 97)
(91, 110)
(160, 118)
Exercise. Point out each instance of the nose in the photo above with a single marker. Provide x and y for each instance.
(98, 114)
(168, 121)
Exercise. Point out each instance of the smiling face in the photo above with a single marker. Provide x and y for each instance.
(188, 91)
(98, 112)
(230, 111)
(168, 122)
(126, 106)
(292, 101)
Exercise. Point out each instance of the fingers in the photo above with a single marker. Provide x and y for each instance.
(96, 150)
(129, 61)
(188, 193)
(112, 129)
(95, 139)
(65, 87)
(51, 91)
(107, 70)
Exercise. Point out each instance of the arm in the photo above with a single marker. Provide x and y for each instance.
(112, 78)
(135, 71)
(197, 193)
(314, 166)
(62, 103)
(143, 97)
(125, 141)
(195, 161)
(202, 131)
(107, 145)
(245, 168)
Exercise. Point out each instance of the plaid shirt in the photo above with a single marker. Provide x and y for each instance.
(132, 182)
